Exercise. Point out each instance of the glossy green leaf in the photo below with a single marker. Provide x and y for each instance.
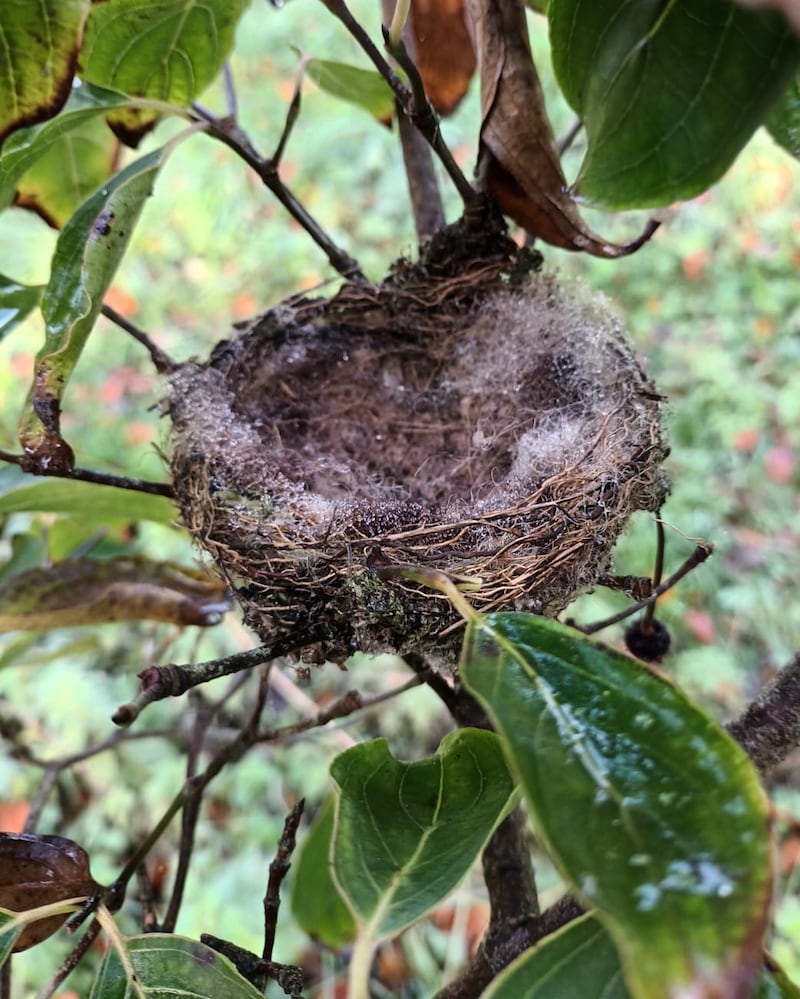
(407, 833)
(655, 815)
(579, 961)
(784, 122)
(24, 493)
(22, 150)
(168, 51)
(39, 44)
(365, 88)
(16, 302)
(87, 254)
(68, 172)
(669, 93)
(167, 966)
(317, 904)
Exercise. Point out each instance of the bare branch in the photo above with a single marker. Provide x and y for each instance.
(227, 131)
(769, 728)
(278, 870)
(163, 362)
(101, 478)
(698, 556)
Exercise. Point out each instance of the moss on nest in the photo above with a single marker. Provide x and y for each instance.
(467, 414)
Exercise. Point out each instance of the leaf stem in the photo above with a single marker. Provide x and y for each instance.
(360, 966)
(163, 362)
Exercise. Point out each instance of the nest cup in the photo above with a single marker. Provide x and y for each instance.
(488, 423)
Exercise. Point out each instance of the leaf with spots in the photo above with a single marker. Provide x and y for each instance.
(405, 834)
(86, 258)
(654, 814)
(168, 51)
(25, 148)
(163, 965)
(39, 45)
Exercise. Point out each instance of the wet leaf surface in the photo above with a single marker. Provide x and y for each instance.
(654, 814)
(166, 965)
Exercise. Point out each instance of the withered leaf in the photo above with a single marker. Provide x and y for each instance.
(443, 50)
(41, 870)
(517, 148)
(93, 591)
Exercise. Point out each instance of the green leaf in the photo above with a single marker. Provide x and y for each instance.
(784, 122)
(317, 904)
(579, 961)
(68, 172)
(654, 813)
(8, 937)
(24, 148)
(87, 254)
(365, 88)
(166, 966)
(23, 493)
(16, 302)
(169, 51)
(407, 833)
(40, 43)
(669, 93)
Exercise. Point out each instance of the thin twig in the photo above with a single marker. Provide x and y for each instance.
(292, 114)
(101, 478)
(71, 961)
(230, 134)
(569, 136)
(658, 571)
(162, 361)
(698, 556)
(414, 103)
(173, 680)
(231, 101)
(423, 116)
(278, 870)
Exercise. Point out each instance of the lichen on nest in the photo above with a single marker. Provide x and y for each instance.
(462, 415)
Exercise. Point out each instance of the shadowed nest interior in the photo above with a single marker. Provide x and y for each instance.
(469, 414)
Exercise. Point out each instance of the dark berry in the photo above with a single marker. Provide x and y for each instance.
(649, 641)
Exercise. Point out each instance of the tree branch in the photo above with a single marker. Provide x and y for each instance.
(101, 478)
(227, 131)
(769, 728)
(162, 362)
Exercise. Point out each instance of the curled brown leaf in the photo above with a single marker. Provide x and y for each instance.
(518, 156)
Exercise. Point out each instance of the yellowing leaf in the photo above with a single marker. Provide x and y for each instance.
(90, 591)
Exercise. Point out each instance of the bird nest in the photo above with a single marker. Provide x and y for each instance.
(469, 414)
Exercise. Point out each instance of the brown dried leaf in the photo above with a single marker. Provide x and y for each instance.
(444, 52)
(40, 870)
(518, 149)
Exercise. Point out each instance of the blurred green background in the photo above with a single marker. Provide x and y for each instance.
(713, 308)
